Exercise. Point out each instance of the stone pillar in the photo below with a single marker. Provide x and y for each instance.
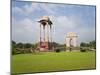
(75, 41)
(67, 42)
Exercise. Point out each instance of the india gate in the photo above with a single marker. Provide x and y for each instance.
(71, 40)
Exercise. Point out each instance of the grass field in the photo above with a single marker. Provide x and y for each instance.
(51, 61)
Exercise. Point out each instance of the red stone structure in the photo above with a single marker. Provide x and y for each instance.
(45, 43)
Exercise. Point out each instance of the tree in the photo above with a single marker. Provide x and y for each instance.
(20, 45)
(92, 44)
(55, 44)
(27, 45)
(84, 44)
(13, 44)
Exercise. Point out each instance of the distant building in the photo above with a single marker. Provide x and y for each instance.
(71, 39)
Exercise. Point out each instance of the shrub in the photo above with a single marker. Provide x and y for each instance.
(82, 50)
(57, 50)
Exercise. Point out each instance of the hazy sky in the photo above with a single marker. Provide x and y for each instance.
(65, 17)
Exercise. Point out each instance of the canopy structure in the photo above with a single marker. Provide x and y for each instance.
(45, 34)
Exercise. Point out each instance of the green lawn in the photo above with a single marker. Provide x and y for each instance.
(51, 61)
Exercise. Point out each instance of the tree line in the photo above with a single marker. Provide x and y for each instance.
(91, 44)
(20, 48)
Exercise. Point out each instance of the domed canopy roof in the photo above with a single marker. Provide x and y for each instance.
(71, 34)
(44, 20)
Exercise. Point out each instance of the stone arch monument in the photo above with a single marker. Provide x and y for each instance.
(71, 39)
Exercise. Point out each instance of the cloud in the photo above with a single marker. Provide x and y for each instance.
(64, 24)
(27, 29)
(48, 8)
(27, 9)
(17, 10)
(31, 7)
(24, 30)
